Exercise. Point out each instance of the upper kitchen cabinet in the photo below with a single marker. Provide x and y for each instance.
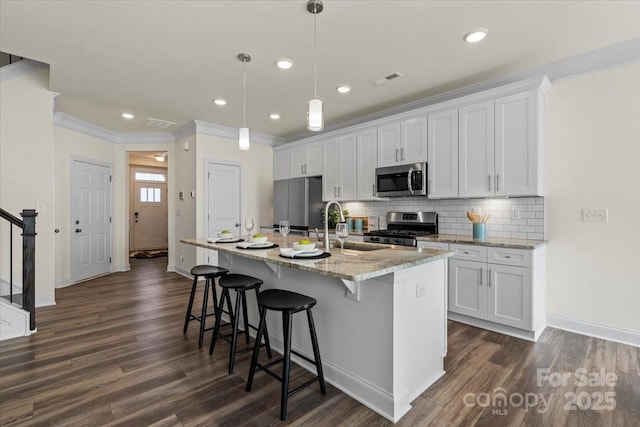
(367, 159)
(339, 170)
(306, 160)
(476, 147)
(518, 151)
(442, 170)
(281, 164)
(403, 142)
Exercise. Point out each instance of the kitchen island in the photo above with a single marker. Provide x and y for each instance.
(380, 317)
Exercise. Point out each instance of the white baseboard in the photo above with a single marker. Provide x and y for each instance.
(496, 327)
(181, 271)
(623, 336)
(45, 301)
(62, 283)
(118, 268)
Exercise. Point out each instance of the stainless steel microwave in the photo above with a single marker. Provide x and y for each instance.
(403, 180)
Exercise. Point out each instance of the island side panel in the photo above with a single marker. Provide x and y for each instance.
(419, 331)
(355, 337)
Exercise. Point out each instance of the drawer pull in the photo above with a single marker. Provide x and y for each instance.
(466, 252)
(507, 257)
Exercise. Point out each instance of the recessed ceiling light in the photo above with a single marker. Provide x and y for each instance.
(284, 63)
(220, 101)
(476, 35)
(128, 116)
(343, 89)
(274, 116)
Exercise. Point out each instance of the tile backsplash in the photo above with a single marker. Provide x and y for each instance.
(529, 212)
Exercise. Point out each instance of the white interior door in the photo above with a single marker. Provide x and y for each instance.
(90, 220)
(224, 198)
(149, 210)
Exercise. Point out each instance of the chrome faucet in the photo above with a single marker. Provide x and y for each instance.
(326, 222)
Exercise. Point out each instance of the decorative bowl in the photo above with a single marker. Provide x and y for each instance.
(304, 246)
(225, 234)
(258, 239)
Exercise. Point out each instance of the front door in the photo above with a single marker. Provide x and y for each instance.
(149, 209)
(223, 210)
(90, 220)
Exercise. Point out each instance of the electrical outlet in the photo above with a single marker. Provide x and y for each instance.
(177, 212)
(595, 215)
(421, 289)
(515, 213)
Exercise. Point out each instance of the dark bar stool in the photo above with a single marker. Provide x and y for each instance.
(288, 303)
(210, 273)
(240, 283)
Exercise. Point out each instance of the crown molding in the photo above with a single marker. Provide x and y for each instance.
(596, 60)
(19, 69)
(71, 122)
(185, 131)
(213, 129)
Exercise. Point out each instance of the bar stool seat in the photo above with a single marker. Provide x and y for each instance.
(288, 303)
(240, 283)
(210, 273)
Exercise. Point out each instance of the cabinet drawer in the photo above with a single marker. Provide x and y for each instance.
(505, 256)
(469, 252)
(434, 245)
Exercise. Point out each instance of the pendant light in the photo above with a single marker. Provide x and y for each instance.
(315, 116)
(244, 138)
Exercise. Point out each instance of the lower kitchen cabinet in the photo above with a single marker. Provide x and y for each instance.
(500, 289)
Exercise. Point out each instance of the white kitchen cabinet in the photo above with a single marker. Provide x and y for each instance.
(500, 289)
(281, 168)
(468, 288)
(476, 144)
(306, 160)
(367, 159)
(339, 172)
(442, 170)
(433, 245)
(518, 151)
(403, 142)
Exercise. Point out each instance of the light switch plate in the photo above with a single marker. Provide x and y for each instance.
(421, 289)
(595, 215)
(515, 213)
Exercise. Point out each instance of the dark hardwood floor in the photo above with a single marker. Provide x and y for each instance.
(112, 352)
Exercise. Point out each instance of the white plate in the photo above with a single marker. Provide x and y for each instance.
(227, 240)
(261, 245)
(300, 254)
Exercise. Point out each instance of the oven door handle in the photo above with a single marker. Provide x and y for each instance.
(409, 178)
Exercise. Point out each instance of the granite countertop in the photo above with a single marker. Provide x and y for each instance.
(351, 264)
(489, 241)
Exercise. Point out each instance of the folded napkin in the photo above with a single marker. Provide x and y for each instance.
(245, 245)
(290, 252)
(216, 239)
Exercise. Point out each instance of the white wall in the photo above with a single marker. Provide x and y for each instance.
(185, 163)
(27, 168)
(592, 160)
(257, 179)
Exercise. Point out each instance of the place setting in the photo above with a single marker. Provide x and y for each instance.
(303, 249)
(225, 236)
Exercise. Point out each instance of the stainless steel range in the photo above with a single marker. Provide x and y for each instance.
(404, 227)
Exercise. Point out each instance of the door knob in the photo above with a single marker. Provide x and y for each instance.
(78, 230)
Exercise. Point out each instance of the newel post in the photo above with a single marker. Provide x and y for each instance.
(29, 264)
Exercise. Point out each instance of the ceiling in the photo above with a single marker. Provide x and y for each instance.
(169, 59)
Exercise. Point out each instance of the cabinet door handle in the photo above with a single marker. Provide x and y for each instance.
(305, 168)
(396, 154)
(497, 182)
(466, 252)
(489, 277)
(429, 186)
(489, 182)
(374, 189)
(402, 154)
(507, 257)
(481, 277)
(335, 192)
(301, 169)
(339, 190)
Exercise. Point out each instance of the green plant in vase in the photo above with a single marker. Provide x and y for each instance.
(333, 215)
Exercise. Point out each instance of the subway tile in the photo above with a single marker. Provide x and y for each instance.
(527, 229)
(535, 236)
(535, 222)
(518, 235)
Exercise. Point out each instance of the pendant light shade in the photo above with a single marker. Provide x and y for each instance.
(315, 115)
(244, 136)
(244, 139)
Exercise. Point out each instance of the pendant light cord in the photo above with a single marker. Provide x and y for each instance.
(244, 94)
(315, 55)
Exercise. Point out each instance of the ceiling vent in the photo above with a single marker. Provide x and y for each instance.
(157, 123)
(387, 78)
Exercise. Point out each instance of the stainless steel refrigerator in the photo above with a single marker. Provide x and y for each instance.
(300, 201)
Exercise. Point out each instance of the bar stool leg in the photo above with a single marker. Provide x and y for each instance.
(256, 348)
(266, 331)
(245, 317)
(190, 306)
(234, 332)
(316, 352)
(215, 295)
(216, 328)
(203, 318)
(286, 329)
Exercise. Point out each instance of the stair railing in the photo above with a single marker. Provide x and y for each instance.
(28, 227)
